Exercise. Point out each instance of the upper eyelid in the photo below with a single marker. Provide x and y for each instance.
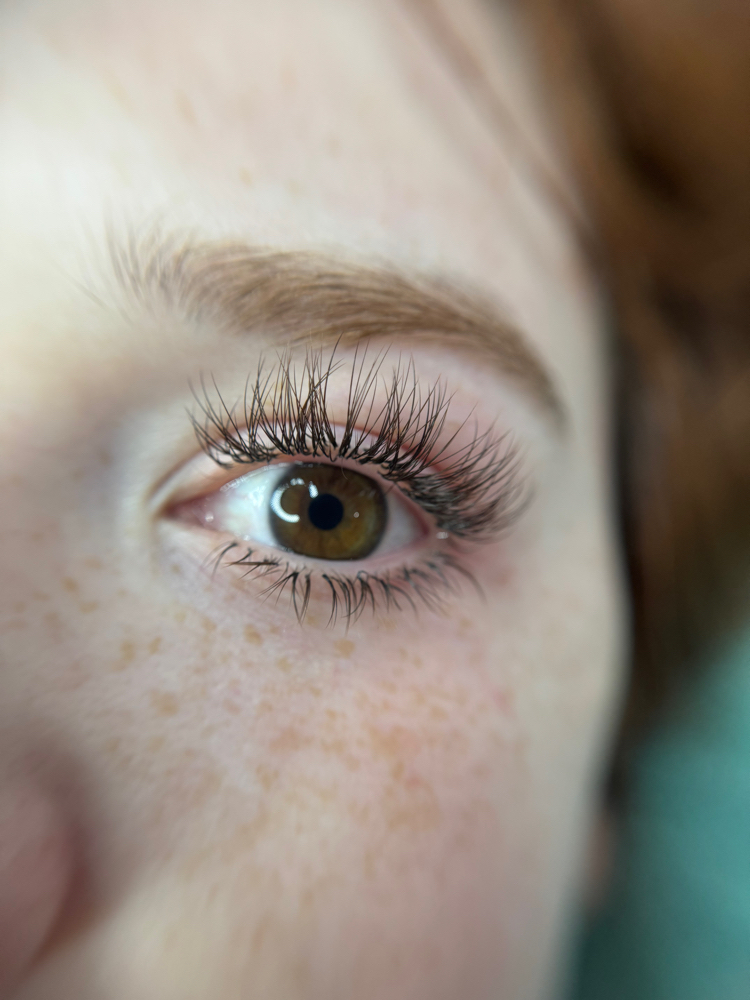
(290, 416)
(236, 473)
(304, 298)
(410, 416)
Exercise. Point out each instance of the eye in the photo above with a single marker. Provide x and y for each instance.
(326, 512)
(313, 509)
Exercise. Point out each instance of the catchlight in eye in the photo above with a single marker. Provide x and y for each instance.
(327, 512)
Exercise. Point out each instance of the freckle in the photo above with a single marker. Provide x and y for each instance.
(164, 703)
(112, 744)
(245, 176)
(253, 636)
(231, 706)
(175, 569)
(92, 563)
(209, 626)
(179, 617)
(336, 746)
(127, 653)
(155, 645)
(39, 595)
(19, 607)
(344, 647)
(69, 584)
(88, 606)
(288, 741)
(266, 777)
(283, 664)
(155, 744)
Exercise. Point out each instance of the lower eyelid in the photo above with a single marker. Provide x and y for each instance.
(431, 581)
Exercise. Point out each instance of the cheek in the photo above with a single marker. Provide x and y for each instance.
(314, 802)
(299, 806)
(346, 814)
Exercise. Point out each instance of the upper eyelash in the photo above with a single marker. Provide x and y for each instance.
(476, 489)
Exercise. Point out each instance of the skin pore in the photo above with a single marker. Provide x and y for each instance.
(230, 801)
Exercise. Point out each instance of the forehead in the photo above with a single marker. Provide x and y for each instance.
(342, 124)
(352, 105)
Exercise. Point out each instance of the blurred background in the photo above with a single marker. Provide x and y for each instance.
(653, 97)
(676, 925)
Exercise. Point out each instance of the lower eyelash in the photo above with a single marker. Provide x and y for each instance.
(429, 583)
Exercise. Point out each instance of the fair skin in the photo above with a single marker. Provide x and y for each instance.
(214, 798)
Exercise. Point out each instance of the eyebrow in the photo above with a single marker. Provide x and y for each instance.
(309, 298)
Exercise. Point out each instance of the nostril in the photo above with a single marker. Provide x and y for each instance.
(36, 868)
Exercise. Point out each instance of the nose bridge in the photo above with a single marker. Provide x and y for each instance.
(55, 511)
(40, 475)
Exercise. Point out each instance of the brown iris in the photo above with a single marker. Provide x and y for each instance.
(327, 512)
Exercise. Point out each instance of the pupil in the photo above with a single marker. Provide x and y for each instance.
(325, 512)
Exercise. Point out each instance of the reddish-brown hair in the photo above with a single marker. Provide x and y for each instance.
(655, 98)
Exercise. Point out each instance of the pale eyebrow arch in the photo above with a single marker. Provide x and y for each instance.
(310, 299)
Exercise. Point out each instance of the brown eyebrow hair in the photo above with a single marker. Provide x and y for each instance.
(312, 299)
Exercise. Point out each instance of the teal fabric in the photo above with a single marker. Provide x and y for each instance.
(677, 924)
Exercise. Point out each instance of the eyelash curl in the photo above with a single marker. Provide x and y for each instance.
(472, 491)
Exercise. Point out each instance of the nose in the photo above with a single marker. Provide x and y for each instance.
(36, 868)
